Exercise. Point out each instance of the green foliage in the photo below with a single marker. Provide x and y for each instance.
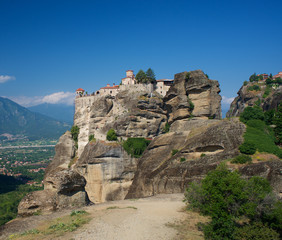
(9, 202)
(248, 148)
(187, 76)
(136, 146)
(251, 113)
(77, 212)
(269, 116)
(277, 120)
(166, 128)
(254, 78)
(141, 77)
(225, 197)
(91, 138)
(256, 231)
(268, 81)
(111, 135)
(254, 88)
(191, 105)
(75, 133)
(202, 155)
(241, 159)
(266, 92)
(260, 136)
(151, 77)
(182, 159)
(258, 102)
(174, 151)
(245, 83)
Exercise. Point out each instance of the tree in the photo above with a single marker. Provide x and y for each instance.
(254, 78)
(151, 77)
(75, 133)
(111, 135)
(141, 76)
(251, 113)
(225, 197)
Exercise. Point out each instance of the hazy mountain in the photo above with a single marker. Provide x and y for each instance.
(57, 111)
(15, 119)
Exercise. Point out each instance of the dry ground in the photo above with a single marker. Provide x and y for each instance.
(158, 217)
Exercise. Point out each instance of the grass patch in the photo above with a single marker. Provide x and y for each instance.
(262, 137)
(57, 227)
(174, 151)
(241, 159)
(116, 207)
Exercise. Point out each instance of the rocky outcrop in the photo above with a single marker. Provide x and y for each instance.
(193, 94)
(134, 112)
(63, 186)
(174, 159)
(247, 97)
(107, 169)
(270, 170)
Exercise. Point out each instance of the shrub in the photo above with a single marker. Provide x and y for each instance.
(74, 133)
(135, 146)
(174, 151)
(191, 105)
(111, 135)
(256, 231)
(266, 92)
(251, 113)
(202, 155)
(91, 138)
(241, 159)
(248, 148)
(166, 128)
(254, 88)
(182, 159)
(245, 83)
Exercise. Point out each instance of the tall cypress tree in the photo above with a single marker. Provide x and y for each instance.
(141, 76)
(151, 77)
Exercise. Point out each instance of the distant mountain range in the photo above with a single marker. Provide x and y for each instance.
(18, 120)
(57, 111)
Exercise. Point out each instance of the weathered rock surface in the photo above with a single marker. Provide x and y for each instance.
(132, 113)
(197, 151)
(63, 186)
(108, 171)
(271, 170)
(247, 98)
(193, 87)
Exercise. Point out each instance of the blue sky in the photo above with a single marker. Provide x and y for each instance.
(49, 48)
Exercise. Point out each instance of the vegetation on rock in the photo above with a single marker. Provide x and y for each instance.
(230, 200)
(241, 159)
(111, 135)
(136, 146)
(75, 133)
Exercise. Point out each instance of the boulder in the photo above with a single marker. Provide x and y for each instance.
(174, 159)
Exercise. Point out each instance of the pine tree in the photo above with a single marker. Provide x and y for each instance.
(141, 76)
(151, 77)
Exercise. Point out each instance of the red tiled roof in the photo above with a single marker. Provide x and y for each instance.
(79, 89)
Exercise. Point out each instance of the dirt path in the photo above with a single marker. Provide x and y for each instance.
(137, 219)
(144, 219)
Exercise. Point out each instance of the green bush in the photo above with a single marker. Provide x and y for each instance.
(182, 159)
(136, 146)
(251, 113)
(174, 151)
(91, 137)
(226, 198)
(266, 92)
(75, 133)
(254, 88)
(241, 159)
(111, 135)
(248, 148)
(245, 83)
(256, 231)
(166, 128)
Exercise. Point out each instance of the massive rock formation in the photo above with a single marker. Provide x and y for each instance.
(174, 159)
(108, 171)
(63, 186)
(247, 97)
(193, 94)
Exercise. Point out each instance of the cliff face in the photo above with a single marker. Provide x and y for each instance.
(193, 94)
(101, 171)
(247, 97)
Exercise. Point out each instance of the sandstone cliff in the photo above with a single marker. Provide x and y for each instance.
(248, 97)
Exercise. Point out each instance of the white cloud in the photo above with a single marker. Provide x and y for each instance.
(226, 100)
(5, 78)
(66, 98)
